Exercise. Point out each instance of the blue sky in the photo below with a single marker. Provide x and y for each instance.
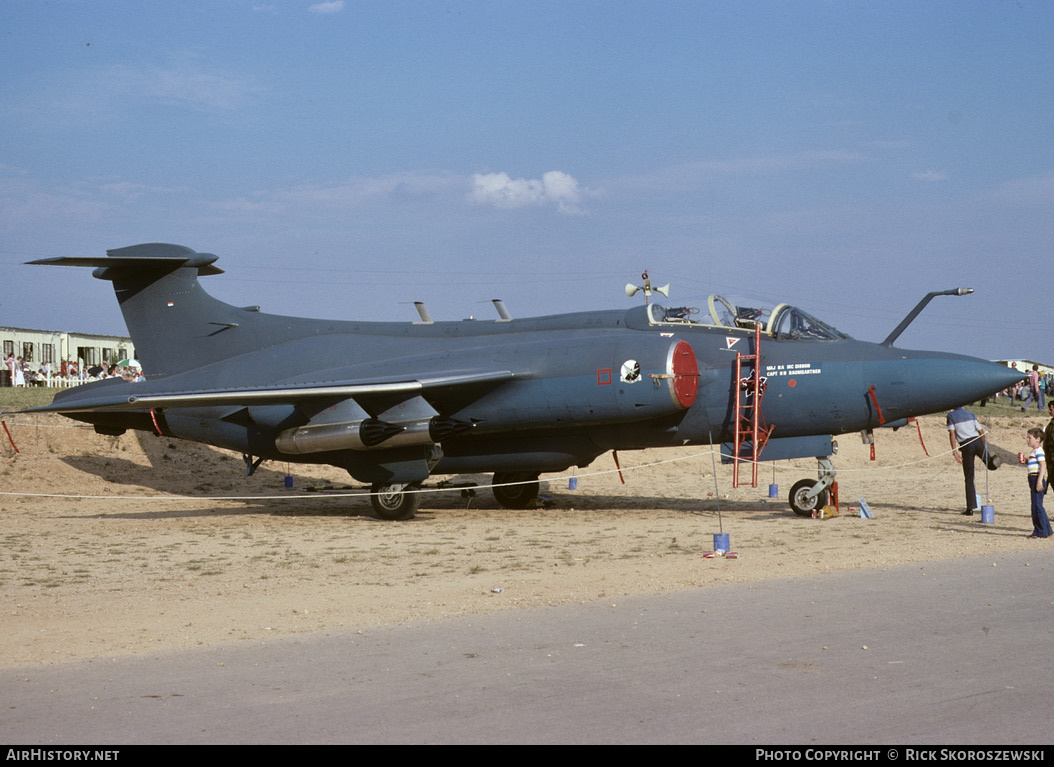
(344, 159)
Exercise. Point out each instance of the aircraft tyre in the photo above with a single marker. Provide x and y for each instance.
(391, 503)
(515, 496)
(801, 506)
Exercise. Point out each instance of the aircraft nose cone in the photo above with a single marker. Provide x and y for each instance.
(967, 379)
(994, 377)
(932, 383)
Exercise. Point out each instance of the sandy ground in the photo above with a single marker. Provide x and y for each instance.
(136, 544)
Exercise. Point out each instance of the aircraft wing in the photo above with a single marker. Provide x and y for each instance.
(105, 401)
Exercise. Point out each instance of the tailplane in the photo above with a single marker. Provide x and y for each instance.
(174, 324)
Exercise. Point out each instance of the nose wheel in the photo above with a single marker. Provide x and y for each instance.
(803, 502)
(808, 495)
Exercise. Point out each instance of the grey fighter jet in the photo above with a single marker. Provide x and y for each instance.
(396, 403)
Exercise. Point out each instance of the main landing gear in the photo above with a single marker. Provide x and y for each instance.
(808, 495)
(397, 501)
(515, 496)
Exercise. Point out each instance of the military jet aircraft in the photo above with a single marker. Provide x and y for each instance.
(396, 403)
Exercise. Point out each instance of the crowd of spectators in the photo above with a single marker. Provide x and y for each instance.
(69, 373)
(1035, 388)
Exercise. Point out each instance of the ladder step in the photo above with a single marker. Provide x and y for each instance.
(747, 411)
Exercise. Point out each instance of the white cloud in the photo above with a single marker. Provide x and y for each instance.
(333, 7)
(691, 176)
(129, 190)
(502, 191)
(186, 86)
(780, 163)
(98, 95)
(930, 175)
(347, 194)
(1024, 192)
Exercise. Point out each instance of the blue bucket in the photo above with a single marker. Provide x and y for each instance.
(572, 483)
(721, 542)
(288, 480)
(988, 515)
(774, 490)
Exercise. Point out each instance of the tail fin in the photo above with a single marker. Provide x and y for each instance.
(175, 325)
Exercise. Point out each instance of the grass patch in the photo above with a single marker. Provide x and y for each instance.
(30, 396)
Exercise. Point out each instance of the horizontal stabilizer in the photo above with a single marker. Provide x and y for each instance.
(141, 258)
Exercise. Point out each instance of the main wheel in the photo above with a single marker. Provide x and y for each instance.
(518, 496)
(391, 502)
(801, 506)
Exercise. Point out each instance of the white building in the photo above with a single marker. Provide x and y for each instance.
(38, 347)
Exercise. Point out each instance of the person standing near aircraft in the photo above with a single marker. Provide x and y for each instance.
(967, 438)
(1048, 441)
(1037, 483)
(1035, 390)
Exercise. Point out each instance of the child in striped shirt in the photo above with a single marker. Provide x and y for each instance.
(1037, 483)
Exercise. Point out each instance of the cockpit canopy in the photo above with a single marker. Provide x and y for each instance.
(785, 321)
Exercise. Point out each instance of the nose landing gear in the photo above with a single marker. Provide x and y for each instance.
(808, 495)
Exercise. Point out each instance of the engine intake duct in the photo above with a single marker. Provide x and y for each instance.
(367, 434)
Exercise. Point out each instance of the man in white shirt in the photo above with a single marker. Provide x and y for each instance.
(967, 439)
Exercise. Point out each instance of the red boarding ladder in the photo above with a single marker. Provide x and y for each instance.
(748, 418)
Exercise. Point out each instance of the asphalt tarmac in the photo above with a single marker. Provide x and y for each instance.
(955, 652)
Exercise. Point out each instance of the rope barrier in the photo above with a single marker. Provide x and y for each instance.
(364, 494)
